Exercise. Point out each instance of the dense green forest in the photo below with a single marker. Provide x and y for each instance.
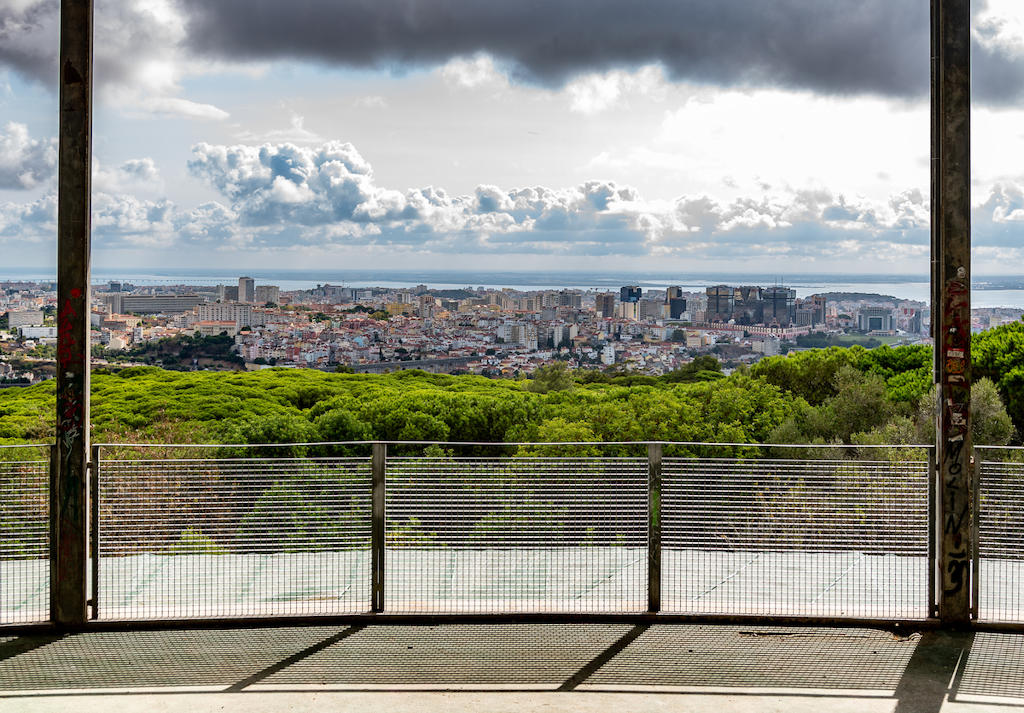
(835, 395)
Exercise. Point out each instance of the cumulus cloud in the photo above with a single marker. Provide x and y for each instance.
(132, 175)
(34, 221)
(475, 71)
(867, 47)
(25, 162)
(284, 196)
(593, 93)
(129, 220)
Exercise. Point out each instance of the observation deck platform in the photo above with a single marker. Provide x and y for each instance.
(524, 668)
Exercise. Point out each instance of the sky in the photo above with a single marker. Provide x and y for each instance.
(780, 137)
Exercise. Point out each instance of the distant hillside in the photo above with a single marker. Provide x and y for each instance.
(865, 296)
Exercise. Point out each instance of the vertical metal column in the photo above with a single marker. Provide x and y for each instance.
(68, 576)
(94, 531)
(933, 517)
(951, 299)
(654, 451)
(379, 467)
(976, 471)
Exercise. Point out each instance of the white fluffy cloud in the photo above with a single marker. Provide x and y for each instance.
(283, 196)
(478, 70)
(135, 175)
(25, 162)
(593, 93)
(30, 222)
(325, 194)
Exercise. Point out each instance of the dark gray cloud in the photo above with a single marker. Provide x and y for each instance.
(128, 37)
(23, 39)
(868, 46)
(849, 47)
(864, 47)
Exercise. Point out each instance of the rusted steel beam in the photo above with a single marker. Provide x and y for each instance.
(951, 300)
(69, 500)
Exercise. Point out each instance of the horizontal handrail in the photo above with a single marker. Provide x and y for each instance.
(510, 443)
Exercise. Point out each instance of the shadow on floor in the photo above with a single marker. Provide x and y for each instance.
(915, 670)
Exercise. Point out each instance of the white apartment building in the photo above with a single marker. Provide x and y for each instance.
(267, 293)
(24, 318)
(236, 312)
(246, 289)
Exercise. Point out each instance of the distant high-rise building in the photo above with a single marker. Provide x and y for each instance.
(605, 306)
(875, 319)
(779, 306)
(676, 307)
(820, 305)
(427, 304)
(720, 303)
(246, 289)
(630, 293)
(748, 305)
(651, 309)
(569, 299)
(120, 303)
(630, 310)
(267, 293)
(674, 302)
(240, 314)
(25, 318)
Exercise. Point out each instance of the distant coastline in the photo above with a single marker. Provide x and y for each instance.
(994, 291)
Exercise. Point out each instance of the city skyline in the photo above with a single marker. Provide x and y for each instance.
(460, 144)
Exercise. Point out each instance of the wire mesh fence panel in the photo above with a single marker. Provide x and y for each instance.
(234, 537)
(835, 538)
(494, 535)
(1000, 538)
(24, 535)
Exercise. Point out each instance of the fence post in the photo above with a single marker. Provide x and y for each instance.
(94, 528)
(934, 533)
(52, 517)
(654, 527)
(379, 467)
(975, 527)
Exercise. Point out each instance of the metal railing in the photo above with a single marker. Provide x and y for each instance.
(482, 528)
(320, 529)
(24, 534)
(999, 534)
(787, 537)
(238, 536)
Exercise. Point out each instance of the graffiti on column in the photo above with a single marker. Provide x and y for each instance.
(70, 409)
(955, 346)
